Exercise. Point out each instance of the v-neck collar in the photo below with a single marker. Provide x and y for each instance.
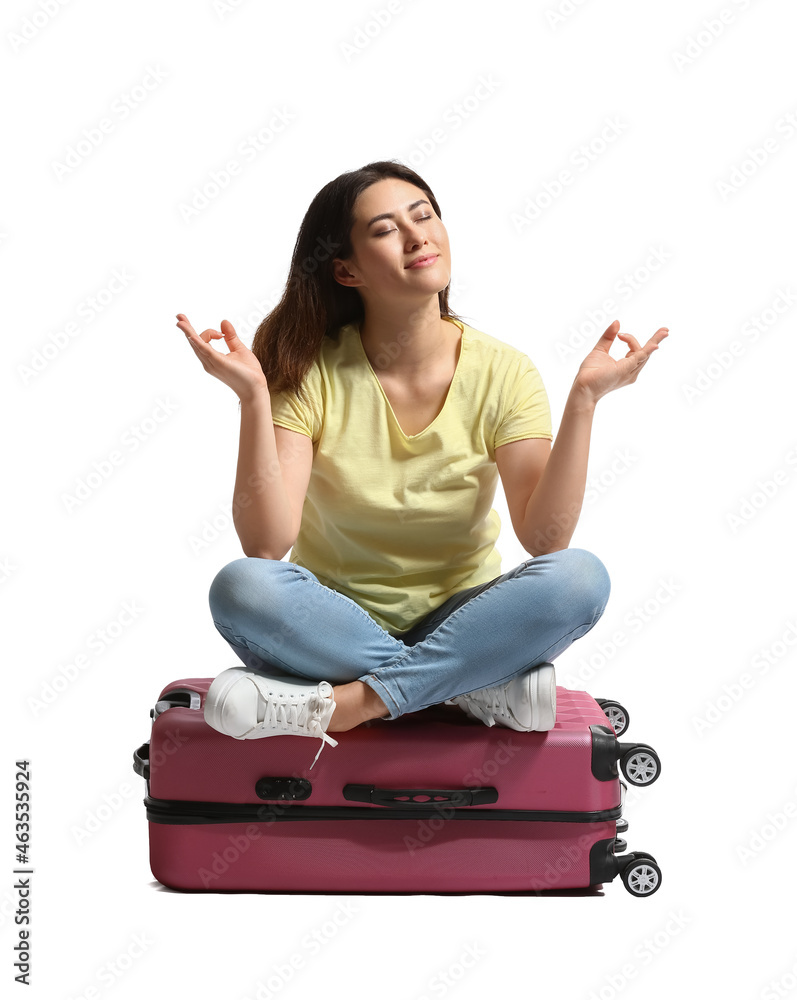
(412, 437)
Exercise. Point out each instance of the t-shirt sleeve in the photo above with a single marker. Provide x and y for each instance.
(287, 410)
(525, 411)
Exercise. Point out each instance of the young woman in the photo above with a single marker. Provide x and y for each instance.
(374, 426)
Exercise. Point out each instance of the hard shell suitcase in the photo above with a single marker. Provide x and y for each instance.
(431, 802)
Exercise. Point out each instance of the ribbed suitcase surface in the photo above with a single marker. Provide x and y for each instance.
(433, 801)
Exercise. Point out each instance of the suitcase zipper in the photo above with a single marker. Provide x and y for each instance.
(177, 811)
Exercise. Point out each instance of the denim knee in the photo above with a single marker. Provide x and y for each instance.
(587, 577)
(236, 584)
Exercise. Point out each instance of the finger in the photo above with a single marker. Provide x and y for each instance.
(205, 337)
(199, 355)
(210, 334)
(185, 326)
(633, 343)
(651, 346)
(655, 340)
(200, 346)
(195, 343)
(638, 358)
(191, 334)
(657, 337)
(607, 338)
(228, 332)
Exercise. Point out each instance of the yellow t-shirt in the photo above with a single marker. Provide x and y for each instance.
(400, 523)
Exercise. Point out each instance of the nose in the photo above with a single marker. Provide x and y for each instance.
(416, 237)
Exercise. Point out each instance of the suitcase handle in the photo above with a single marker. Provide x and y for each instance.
(141, 761)
(403, 797)
(177, 697)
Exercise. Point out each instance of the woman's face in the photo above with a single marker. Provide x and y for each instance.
(383, 247)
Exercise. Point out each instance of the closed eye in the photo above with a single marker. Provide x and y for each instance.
(422, 219)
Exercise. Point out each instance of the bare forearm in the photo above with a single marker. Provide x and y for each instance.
(261, 511)
(555, 505)
(553, 510)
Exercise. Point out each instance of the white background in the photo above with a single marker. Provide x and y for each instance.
(705, 435)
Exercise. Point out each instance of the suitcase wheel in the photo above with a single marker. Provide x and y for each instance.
(641, 765)
(616, 714)
(642, 876)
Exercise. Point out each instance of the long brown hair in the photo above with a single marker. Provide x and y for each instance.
(313, 304)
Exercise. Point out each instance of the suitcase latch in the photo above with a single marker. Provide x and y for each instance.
(283, 788)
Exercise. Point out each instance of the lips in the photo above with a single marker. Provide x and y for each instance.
(426, 258)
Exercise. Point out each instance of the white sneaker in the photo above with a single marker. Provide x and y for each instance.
(526, 703)
(248, 705)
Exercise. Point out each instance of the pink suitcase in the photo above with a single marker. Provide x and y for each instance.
(431, 802)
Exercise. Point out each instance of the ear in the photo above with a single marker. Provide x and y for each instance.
(342, 274)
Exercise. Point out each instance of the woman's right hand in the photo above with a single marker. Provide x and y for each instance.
(239, 369)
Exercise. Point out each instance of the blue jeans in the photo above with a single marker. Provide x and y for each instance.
(279, 619)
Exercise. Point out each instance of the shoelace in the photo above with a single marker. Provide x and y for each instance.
(484, 703)
(315, 725)
(288, 713)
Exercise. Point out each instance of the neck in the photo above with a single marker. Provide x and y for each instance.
(408, 344)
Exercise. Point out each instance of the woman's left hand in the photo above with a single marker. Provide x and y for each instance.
(600, 373)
